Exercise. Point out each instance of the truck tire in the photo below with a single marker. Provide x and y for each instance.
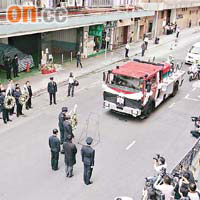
(148, 109)
(175, 89)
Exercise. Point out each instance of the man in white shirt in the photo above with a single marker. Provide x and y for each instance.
(146, 41)
(71, 85)
(165, 188)
(127, 48)
(193, 193)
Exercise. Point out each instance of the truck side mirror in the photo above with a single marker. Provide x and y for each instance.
(104, 76)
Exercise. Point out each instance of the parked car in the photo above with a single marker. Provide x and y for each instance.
(193, 54)
(23, 59)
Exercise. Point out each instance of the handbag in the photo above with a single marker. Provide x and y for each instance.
(76, 83)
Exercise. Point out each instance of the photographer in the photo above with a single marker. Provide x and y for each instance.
(193, 193)
(159, 164)
(166, 188)
(184, 193)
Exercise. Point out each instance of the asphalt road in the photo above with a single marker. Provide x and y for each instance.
(125, 146)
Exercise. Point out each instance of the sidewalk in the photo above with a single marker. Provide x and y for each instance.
(39, 82)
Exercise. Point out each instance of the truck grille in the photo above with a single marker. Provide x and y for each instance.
(110, 97)
(133, 103)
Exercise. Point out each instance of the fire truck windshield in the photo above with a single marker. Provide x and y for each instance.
(124, 83)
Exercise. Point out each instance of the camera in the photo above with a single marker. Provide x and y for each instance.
(157, 157)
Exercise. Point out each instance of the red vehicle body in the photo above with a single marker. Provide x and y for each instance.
(138, 87)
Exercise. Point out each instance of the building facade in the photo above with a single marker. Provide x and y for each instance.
(185, 13)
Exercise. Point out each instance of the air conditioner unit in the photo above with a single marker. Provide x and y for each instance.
(71, 3)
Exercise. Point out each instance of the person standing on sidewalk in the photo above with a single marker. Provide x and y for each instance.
(127, 48)
(143, 47)
(52, 89)
(70, 151)
(28, 89)
(10, 92)
(88, 156)
(146, 41)
(15, 66)
(78, 59)
(54, 144)
(71, 81)
(177, 32)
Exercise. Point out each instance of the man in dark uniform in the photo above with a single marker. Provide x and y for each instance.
(70, 156)
(7, 65)
(54, 144)
(78, 59)
(88, 155)
(52, 89)
(17, 95)
(5, 112)
(15, 66)
(60, 123)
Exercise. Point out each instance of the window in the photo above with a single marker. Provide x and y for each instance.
(195, 50)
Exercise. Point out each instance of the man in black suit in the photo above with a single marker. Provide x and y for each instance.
(70, 156)
(7, 65)
(52, 89)
(54, 144)
(15, 66)
(88, 155)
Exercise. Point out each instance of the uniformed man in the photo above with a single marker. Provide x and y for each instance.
(15, 66)
(7, 65)
(54, 144)
(88, 155)
(17, 95)
(60, 123)
(52, 89)
(5, 112)
(70, 151)
(10, 92)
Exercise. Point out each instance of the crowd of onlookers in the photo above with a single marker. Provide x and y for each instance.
(180, 184)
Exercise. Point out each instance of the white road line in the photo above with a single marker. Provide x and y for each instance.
(171, 105)
(129, 146)
(187, 97)
(194, 89)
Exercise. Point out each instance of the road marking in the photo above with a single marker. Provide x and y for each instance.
(130, 145)
(188, 98)
(171, 105)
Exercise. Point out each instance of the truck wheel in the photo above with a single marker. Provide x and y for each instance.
(175, 90)
(148, 109)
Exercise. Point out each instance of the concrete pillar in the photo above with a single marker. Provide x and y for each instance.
(111, 39)
(85, 41)
(173, 16)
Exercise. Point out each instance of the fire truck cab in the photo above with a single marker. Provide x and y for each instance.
(138, 87)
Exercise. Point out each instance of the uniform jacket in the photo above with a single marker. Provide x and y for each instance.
(61, 121)
(70, 153)
(88, 154)
(67, 129)
(52, 87)
(54, 143)
(17, 94)
(15, 62)
(2, 97)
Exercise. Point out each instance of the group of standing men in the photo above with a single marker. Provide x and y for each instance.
(69, 149)
(52, 88)
(14, 90)
(10, 64)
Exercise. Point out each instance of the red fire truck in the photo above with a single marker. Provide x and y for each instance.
(138, 87)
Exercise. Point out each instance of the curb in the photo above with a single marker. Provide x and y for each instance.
(138, 52)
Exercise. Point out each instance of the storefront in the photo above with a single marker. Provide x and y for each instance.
(63, 45)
